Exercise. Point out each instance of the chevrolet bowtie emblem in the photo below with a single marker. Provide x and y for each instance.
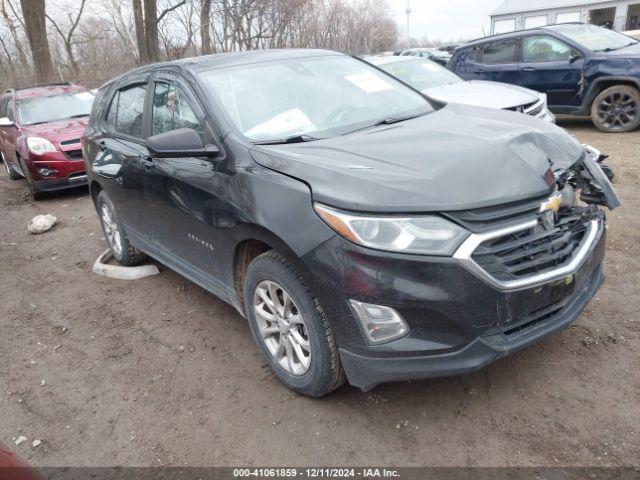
(552, 204)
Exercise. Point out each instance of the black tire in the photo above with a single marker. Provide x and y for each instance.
(127, 255)
(617, 109)
(35, 192)
(11, 173)
(325, 372)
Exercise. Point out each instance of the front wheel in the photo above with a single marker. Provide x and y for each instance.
(125, 253)
(617, 109)
(290, 328)
(36, 193)
(11, 172)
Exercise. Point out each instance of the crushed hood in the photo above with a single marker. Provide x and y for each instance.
(483, 94)
(459, 157)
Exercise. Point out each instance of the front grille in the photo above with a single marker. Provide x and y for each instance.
(536, 111)
(496, 217)
(72, 141)
(74, 154)
(535, 250)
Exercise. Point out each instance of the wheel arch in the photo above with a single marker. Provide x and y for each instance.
(602, 83)
(253, 242)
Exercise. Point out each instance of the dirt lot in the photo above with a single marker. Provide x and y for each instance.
(159, 372)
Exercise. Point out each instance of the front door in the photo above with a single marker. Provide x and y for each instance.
(179, 192)
(551, 66)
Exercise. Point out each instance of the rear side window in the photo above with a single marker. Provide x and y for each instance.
(125, 112)
(10, 114)
(545, 49)
(3, 106)
(498, 52)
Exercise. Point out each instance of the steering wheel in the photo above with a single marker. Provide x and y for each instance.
(337, 113)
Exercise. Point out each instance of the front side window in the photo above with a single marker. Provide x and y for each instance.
(171, 110)
(315, 96)
(594, 38)
(498, 52)
(421, 74)
(125, 112)
(52, 108)
(545, 49)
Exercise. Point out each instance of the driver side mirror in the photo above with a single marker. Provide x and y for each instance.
(574, 56)
(5, 122)
(183, 142)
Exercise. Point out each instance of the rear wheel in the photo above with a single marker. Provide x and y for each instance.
(11, 173)
(617, 109)
(290, 328)
(125, 253)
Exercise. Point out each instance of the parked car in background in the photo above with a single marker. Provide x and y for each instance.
(40, 130)
(432, 54)
(12, 467)
(443, 85)
(583, 69)
(364, 232)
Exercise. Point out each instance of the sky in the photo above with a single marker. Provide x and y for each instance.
(444, 19)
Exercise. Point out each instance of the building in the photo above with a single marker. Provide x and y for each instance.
(620, 15)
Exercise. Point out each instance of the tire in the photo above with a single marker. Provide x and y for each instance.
(324, 373)
(11, 173)
(35, 192)
(121, 249)
(617, 109)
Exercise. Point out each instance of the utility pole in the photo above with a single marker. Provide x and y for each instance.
(408, 12)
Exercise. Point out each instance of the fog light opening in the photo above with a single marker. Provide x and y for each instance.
(380, 324)
(46, 172)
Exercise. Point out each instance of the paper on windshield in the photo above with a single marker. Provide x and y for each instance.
(291, 122)
(84, 96)
(431, 67)
(369, 82)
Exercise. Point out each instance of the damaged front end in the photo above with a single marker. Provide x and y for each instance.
(589, 176)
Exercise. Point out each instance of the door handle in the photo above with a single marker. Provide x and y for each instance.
(528, 69)
(145, 161)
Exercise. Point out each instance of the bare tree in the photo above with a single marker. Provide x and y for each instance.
(147, 18)
(67, 38)
(34, 13)
(205, 33)
(9, 22)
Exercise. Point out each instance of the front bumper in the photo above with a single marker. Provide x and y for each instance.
(67, 173)
(458, 321)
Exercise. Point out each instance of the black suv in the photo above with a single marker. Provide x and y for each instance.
(365, 233)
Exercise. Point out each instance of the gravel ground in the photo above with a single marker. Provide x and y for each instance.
(159, 372)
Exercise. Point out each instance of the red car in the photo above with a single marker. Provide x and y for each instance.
(13, 467)
(40, 130)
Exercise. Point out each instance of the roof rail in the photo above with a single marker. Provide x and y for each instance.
(52, 84)
(8, 90)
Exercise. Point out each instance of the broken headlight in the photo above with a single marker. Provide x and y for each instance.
(424, 234)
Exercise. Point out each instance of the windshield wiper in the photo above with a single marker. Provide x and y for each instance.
(292, 139)
(611, 49)
(79, 115)
(387, 121)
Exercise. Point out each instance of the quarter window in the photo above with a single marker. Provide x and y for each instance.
(125, 112)
(171, 110)
(545, 49)
(498, 52)
(3, 107)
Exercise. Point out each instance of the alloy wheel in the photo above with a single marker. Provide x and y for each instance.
(617, 110)
(111, 230)
(282, 327)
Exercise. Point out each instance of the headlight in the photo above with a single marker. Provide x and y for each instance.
(426, 235)
(543, 98)
(40, 145)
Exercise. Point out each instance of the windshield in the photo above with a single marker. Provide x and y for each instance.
(421, 74)
(594, 38)
(318, 97)
(55, 107)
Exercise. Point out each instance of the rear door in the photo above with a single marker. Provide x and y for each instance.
(9, 134)
(495, 61)
(119, 157)
(551, 66)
